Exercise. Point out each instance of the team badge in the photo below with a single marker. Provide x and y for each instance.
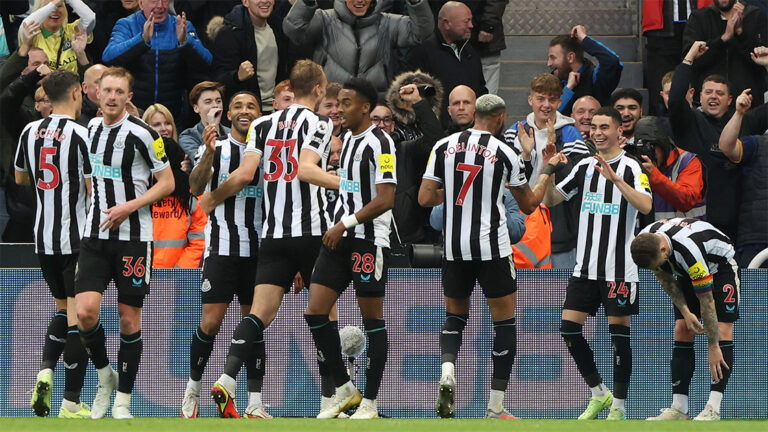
(119, 143)
(206, 286)
(322, 127)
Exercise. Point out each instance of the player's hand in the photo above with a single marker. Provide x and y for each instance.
(149, 29)
(298, 283)
(716, 362)
(116, 215)
(410, 94)
(333, 235)
(557, 159)
(579, 32)
(605, 169)
(573, 80)
(206, 203)
(693, 323)
(647, 164)
(209, 138)
(527, 141)
(484, 37)
(245, 71)
(697, 50)
(186, 164)
(744, 101)
(181, 28)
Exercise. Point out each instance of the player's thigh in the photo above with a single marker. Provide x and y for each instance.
(457, 306)
(682, 333)
(266, 302)
(333, 268)
(725, 330)
(368, 267)
(54, 273)
(726, 291)
(459, 279)
(93, 270)
(321, 299)
(246, 280)
(686, 287)
(371, 307)
(88, 307)
(619, 299)
(279, 261)
(497, 277)
(582, 298)
(131, 261)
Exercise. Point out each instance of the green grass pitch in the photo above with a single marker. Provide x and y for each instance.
(381, 425)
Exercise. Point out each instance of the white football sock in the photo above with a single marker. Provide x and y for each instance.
(680, 402)
(195, 386)
(229, 383)
(104, 373)
(619, 403)
(254, 398)
(715, 399)
(496, 401)
(599, 390)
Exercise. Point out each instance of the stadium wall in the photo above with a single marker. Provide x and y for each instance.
(545, 382)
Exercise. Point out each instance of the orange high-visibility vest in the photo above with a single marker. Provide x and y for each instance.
(179, 238)
(534, 250)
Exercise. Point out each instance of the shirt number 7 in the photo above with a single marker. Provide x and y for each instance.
(472, 171)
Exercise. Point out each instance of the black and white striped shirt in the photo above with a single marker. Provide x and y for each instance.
(606, 219)
(234, 226)
(54, 153)
(123, 157)
(698, 249)
(474, 167)
(367, 159)
(292, 208)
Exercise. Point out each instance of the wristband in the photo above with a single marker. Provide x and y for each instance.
(350, 221)
(548, 169)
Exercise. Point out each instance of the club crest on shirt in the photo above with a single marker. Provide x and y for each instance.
(358, 157)
(119, 143)
(322, 127)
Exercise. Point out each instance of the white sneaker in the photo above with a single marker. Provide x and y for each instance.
(347, 397)
(709, 414)
(257, 412)
(121, 409)
(190, 404)
(670, 414)
(367, 410)
(103, 394)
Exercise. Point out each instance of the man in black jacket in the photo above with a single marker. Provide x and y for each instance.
(731, 31)
(698, 131)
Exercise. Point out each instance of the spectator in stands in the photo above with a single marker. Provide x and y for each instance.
(206, 100)
(666, 86)
(698, 131)
(663, 26)
(329, 106)
(202, 12)
(283, 96)
(629, 103)
(160, 50)
(247, 51)
(448, 56)
(583, 110)
(731, 30)
(461, 109)
(109, 12)
(676, 176)
(382, 117)
(178, 223)
(62, 41)
(355, 39)
(543, 126)
(416, 131)
(751, 154)
(91, 80)
(580, 77)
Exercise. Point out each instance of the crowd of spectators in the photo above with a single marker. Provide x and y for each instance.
(429, 60)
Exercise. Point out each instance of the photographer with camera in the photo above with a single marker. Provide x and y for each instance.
(414, 98)
(676, 176)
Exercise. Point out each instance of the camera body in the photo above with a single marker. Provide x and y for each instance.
(426, 91)
(642, 147)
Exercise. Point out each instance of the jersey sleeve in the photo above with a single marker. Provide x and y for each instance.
(319, 139)
(385, 162)
(85, 159)
(435, 165)
(516, 172)
(696, 266)
(157, 158)
(641, 182)
(569, 186)
(254, 141)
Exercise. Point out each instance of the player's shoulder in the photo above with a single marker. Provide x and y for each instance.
(632, 163)
(381, 138)
(141, 129)
(31, 125)
(95, 122)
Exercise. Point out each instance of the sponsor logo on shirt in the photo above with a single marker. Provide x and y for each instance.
(697, 271)
(386, 163)
(247, 192)
(159, 148)
(593, 203)
(100, 170)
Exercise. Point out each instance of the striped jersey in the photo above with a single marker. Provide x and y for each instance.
(54, 152)
(698, 250)
(123, 157)
(234, 226)
(292, 208)
(474, 167)
(367, 159)
(606, 219)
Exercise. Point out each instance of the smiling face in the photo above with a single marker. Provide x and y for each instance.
(260, 9)
(156, 8)
(56, 18)
(329, 107)
(544, 106)
(630, 111)
(583, 110)
(113, 96)
(558, 61)
(358, 7)
(715, 98)
(243, 109)
(605, 133)
(159, 122)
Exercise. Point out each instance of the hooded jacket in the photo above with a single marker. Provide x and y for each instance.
(349, 46)
(416, 132)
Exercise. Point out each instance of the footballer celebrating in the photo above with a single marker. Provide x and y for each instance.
(694, 263)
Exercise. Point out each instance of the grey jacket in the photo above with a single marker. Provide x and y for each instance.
(191, 139)
(348, 46)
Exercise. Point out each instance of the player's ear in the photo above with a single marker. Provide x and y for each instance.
(130, 95)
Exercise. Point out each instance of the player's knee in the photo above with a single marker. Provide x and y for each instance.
(454, 322)
(210, 326)
(87, 317)
(570, 330)
(129, 324)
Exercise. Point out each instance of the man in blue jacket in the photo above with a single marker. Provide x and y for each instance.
(163, 52)
(580, 77)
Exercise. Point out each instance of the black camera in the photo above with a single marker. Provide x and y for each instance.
(332, 166)
(425, 255)
(642, 147)
(426, 91)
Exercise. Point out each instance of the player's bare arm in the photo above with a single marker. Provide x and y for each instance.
(235, 182)
(709, 316)
(22, 178)
(642, 202)
(311, 172)
(431, 193)
(202, 173)
(162, 188)
(670, 286)
(529, 199)
(385, 200)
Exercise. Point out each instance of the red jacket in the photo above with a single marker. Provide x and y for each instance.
(653, 13)
(684, 194)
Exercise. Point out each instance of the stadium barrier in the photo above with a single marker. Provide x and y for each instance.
(544, 383)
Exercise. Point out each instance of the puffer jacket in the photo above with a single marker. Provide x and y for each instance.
(161, 67)
(357, 47)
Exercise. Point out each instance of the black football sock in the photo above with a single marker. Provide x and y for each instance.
(378, 345)
(250, 329)
(581, 352)
(55, 339)
(328, 344)
(93, 341)
(726, 346)
(199, 353)
(128, 359)
(503, 354)
(622, 359)
(450, 336)
(255, 366)
(76, 363)
(327, 387)
(682, 366)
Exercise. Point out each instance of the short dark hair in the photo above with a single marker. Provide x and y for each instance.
(569, 44)
(628, 93)
(609, 111)
(203, 86)
(645, 249)
(305, 75)
(244, 92)
(364, 88)
(717, 78)
(58, 84)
